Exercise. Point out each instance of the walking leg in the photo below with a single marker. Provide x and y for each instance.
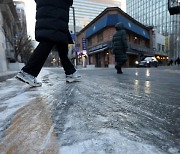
(38, 58)
(66, 63)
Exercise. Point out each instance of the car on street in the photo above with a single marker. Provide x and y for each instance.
(147, 62)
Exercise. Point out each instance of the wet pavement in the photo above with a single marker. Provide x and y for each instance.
(137, 112)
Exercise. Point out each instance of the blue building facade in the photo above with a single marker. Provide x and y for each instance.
(99, 33)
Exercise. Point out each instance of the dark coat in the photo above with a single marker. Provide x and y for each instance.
(52, 17)
(120, 44)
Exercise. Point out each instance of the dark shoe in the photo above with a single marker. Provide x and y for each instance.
(119, 72)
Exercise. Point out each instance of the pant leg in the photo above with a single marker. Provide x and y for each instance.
(118, 66)
(66, 63)
(38, 58)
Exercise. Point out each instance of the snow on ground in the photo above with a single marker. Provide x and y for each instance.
(15, 95)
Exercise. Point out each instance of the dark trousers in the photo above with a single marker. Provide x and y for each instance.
(118, 67)
(40, 55)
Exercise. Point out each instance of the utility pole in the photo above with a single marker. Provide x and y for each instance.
(75, 37)
(178, 40)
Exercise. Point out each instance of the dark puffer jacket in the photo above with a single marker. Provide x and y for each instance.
(52, 17)
(120, 44)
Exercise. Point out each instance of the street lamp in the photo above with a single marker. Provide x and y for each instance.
(178, 39)
(174, 6)
(75, 37)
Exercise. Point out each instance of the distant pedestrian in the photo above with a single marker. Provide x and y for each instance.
(170, 62)
(177, 61)
(120, 47)
(52, 17)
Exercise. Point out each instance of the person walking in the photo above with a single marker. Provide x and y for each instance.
(51, 30)
(120, 47)
(177, 61)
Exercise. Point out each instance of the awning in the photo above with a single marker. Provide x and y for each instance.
(140, 50)
(98, 50)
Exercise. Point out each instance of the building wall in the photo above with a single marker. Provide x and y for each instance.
(87, 10)
(8, 30)
(3, 62)
(104, 57)
(20, 8)
(155, 13)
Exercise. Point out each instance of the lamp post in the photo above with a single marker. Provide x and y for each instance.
(177, 46)
(174, 6)
(75, 37)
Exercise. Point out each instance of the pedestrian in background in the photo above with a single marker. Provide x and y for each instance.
(170, 62)
(120, 47)
(177, 61)
(52, 17)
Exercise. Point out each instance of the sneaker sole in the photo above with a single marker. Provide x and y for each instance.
(73, 80)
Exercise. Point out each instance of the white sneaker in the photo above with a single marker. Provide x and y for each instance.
(73, 77)
(29, 79)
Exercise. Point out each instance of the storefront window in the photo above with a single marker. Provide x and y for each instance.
(128, 37)
(136, 40)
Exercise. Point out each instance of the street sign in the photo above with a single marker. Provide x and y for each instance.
(83, 43)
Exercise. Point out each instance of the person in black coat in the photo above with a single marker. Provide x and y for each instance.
(119, 44)
(177, 61)
(52, 17)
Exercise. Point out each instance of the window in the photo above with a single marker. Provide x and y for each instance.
(128, 37)
(163, 47)
(159, 47)
(136, 40)
(90, 42)
(99, 37)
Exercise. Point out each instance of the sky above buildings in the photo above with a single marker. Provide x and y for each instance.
(30, 8)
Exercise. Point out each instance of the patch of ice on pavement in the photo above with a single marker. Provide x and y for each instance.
(173, 150)
(15, 103)
(23, 95)
(7, 91)
(111, 142)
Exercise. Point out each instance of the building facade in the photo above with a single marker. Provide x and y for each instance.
(87, 10)
(13, 29)
(96, 38)
(3, 62)
(155, 13)
(20, 8)
(8, 29)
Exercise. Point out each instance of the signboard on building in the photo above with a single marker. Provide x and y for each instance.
(100, 47)
(83, 43)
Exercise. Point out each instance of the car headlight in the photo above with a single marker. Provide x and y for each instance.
(147, 62)
(136, 62)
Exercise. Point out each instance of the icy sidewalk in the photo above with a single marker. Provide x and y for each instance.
(65, 118)
(6, 75)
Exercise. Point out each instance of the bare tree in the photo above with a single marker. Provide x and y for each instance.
(23, 46)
